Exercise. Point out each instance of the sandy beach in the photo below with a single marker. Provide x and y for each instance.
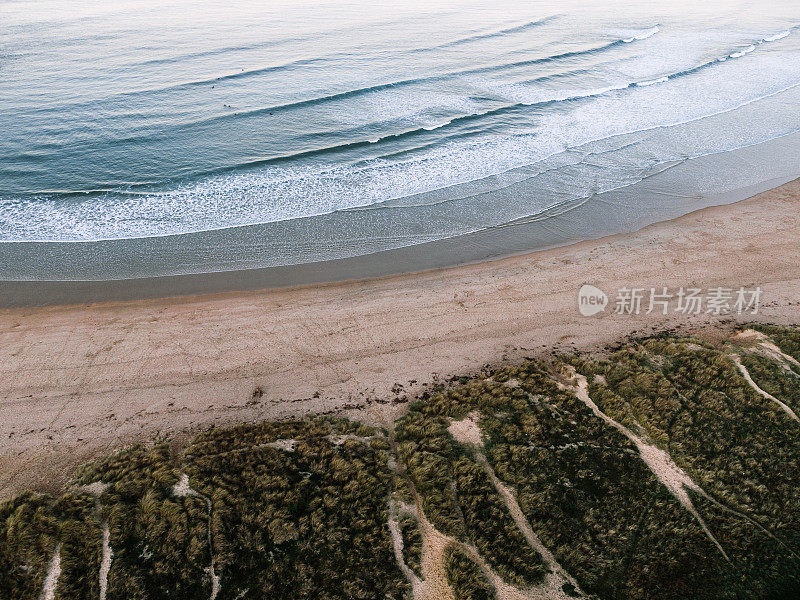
(81, 380)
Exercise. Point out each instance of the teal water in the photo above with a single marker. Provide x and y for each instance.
(139, 119)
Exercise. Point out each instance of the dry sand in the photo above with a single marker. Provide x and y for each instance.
(81, 380)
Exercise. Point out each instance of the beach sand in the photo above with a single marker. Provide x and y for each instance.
(82, 380)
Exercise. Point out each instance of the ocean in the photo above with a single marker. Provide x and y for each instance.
(144, 139)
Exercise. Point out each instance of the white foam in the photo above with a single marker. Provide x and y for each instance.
(778, 36)
(643, 35)
(529, 95)
(653, 81)
(741, 53)
(277, 192)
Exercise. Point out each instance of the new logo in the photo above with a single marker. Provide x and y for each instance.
(591, 300)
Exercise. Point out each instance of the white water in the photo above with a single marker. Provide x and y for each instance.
(437, 88)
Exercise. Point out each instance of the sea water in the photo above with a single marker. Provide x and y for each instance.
(264, 134)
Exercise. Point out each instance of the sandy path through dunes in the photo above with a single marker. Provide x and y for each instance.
(76, 381)
(746, 374)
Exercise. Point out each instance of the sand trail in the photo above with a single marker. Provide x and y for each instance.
(397, 546)
(182, 489)
(467, 431)
(53, 573)
(433, 585)
(557, 578)
(675, 479)
(105, 561)
(770, 348)
(746, 374)
(97, 489)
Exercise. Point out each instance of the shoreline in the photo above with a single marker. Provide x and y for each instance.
(486, 246)
(81, 380)
(234, 259)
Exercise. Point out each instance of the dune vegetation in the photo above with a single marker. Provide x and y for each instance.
(665, 469)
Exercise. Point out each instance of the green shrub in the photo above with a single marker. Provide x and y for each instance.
(412, 544)
(299, 509)
(465, 578)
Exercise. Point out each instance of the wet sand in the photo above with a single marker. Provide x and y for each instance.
(80, 380)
